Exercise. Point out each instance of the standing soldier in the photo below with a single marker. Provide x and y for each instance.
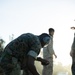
(48, 53)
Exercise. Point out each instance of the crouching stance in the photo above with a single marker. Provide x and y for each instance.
(21, 53)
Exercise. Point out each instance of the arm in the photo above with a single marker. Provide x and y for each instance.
(31, 66)
(51, 51)
(55, 55)
(39, 59)
(43, 61)
(72, 27)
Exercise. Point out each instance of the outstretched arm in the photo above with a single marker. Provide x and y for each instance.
(73, 28)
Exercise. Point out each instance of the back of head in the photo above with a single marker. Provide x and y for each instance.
(44, 39)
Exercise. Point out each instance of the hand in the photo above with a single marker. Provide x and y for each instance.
(55, 56)
(72, 27)
(44, 62)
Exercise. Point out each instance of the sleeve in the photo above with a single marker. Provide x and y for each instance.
(33, 54)
(34, 48)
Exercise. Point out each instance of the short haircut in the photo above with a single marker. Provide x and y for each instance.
(51, 29)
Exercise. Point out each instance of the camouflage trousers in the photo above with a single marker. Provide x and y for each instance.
(48, 70)
(15, 71)
(1, 71)
(9, 64)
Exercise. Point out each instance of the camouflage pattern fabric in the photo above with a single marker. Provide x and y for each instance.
(23, 44)
(19, 48)
(1, 71)
(17, 69)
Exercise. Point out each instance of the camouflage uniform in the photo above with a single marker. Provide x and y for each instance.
(48, 55)
(17, 50)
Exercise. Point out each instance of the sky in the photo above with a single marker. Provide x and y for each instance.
(37, 16)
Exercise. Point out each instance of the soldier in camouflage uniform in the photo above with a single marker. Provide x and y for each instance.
(24, 50)
(72, 54)
(48, 53)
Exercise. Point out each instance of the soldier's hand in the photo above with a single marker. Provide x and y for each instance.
(44, 62)
(73, 28)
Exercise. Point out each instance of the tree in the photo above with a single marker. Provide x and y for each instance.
(1, 46)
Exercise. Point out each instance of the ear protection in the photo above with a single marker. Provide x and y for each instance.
(46, 40)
